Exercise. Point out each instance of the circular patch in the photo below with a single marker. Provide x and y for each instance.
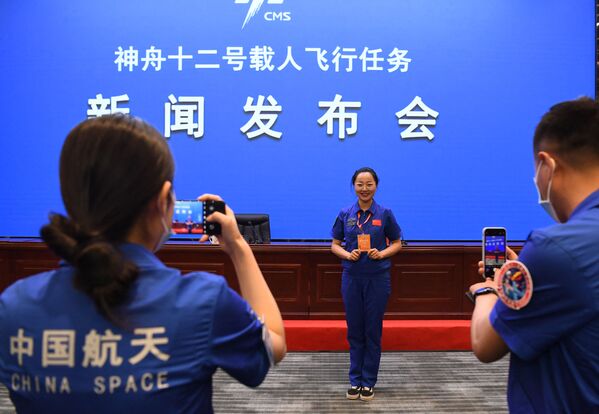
(514, 284)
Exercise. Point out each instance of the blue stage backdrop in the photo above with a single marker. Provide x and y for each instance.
(274, 103)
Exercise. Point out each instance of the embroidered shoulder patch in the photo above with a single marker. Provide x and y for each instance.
(514, 284)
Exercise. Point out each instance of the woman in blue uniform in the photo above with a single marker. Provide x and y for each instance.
(114, 329)
(371, 235)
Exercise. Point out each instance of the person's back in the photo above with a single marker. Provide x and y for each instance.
(113, 329)
(564, 262)
(162, 361)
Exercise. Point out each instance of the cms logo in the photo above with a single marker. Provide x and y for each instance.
(271, 16)
(277, 16)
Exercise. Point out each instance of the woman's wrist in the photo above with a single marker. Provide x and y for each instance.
(238, 247)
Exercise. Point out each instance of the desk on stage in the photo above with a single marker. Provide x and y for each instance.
(428, 279)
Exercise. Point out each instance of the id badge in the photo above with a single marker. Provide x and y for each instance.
(363, 242)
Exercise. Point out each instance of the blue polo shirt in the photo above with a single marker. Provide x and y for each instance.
(554, 340)
(57, 354)
(379, 222)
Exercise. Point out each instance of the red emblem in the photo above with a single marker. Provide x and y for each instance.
(376, 223)
(514, 284)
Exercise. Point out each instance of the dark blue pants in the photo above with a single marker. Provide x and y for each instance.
(365, 299)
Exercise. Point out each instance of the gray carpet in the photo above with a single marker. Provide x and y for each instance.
(409, 382)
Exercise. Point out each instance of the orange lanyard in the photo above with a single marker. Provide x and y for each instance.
(366, 221)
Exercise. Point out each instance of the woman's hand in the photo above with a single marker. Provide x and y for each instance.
(375, 254)
(354, 255)
(230, 236)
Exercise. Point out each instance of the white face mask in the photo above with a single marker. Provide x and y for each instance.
(546, 204)
(166, 231)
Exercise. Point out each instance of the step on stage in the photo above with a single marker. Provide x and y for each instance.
(398, 335)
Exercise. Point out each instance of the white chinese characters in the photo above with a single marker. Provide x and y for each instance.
(186, 114)
(263, 117)
(149, 344)
(99, 105)
(189, 115)
(101, 348)
(418, 117)
(58, 347)
(337, 112)
(21, 345)
(264, 58)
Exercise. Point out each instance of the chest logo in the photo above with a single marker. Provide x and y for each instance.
(351, 222)
(514, 284)
(377, 223)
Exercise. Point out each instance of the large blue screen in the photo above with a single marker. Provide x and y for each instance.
(274, 103)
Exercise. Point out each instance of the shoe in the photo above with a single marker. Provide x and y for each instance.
(366, 393)
(353, 392)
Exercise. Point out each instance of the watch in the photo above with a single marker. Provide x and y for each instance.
(483, 291)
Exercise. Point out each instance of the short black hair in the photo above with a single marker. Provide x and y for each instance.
(571, 129)
(365, 170)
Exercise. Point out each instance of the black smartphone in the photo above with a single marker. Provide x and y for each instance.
(212, 206)
(494, 249)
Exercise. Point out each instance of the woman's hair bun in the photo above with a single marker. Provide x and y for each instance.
(99, 261)
(60, 234)
(104, 274)
(102, 271)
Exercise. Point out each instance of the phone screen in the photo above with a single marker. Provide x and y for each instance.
(494, 250)
(188, 220)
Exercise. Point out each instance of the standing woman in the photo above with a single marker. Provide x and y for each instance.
(367, 228)
(114, 329)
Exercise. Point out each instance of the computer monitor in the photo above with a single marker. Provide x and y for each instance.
(255, 228)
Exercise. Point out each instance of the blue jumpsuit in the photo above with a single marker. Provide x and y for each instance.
(365, 287)
(57, 354)
(554, 340)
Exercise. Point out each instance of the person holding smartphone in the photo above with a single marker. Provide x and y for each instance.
(548, 315)
(113, 328)
(371, 235)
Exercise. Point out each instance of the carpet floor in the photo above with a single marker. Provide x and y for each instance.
(409, 382)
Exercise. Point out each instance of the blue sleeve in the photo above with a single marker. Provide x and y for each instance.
(237, 344)
(338, 231)
(561, 302)
(392, 230)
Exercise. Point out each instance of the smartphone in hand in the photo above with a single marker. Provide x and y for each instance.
(188, 220)
(494, 248)
(212, 206)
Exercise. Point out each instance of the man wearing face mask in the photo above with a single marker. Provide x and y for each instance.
(554, 338)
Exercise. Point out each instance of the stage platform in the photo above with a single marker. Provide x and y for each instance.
(428, 280)
(398, 335)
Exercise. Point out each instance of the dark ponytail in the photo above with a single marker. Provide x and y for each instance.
(110, 168)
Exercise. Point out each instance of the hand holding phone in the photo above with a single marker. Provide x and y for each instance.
(494, 249)
(229, 238)
(213, 228)
(189, 218)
